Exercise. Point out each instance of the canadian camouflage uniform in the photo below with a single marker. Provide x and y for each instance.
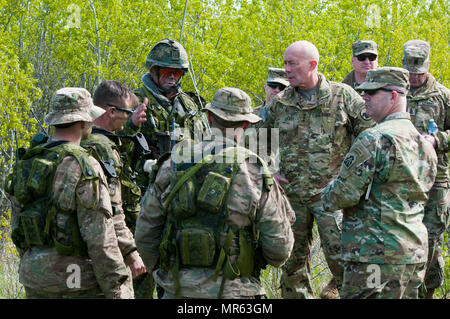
(252, 226)
(358, 48)
(431, 101)
(382, 186)
(66, 229)
(183, 109)
(314, 138)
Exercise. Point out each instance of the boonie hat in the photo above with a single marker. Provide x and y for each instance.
(72, 105)
(233, 105)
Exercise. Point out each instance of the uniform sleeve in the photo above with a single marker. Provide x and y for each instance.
(273, 221)
(355, 176)
(97, 230)
(151, 220)
(442, 136)
(124, 235)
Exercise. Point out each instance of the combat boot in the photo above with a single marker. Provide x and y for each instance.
(330, 291)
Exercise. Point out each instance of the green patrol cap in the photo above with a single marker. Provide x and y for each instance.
(72, 105)
(416, 56)
(381, 77)
(277, 75)
(233, 105)
(364, 46)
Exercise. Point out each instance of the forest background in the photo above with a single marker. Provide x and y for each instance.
(47, 45)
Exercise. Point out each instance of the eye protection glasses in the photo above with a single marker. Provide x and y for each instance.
(129, 112)
(363, 57)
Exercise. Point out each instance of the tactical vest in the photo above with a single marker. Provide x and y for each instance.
(159, 124)
(32, 185)
(102, 149)
(196, 233)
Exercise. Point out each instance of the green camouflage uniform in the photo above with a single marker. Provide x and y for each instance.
(431, 101)
(382, 187)
(251, 207)
(358, 48)
(184, 108)
(314, 138)
(80, 202)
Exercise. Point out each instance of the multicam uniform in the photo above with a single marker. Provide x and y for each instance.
(314, 138)
(382, 186)
(103, 145)
(82, 228)
(432, 101)
(252, 208)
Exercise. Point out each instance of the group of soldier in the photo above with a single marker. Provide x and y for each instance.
(114, 205)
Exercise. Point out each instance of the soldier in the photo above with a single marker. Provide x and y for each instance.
(430, 100)
(276, 82)
(116, 99)
(215, 223)
(64, 227)
(317, 120)
(167, 63)
(365, 58)
(382, 186)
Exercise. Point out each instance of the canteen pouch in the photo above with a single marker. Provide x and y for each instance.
(197, 247)
(33, 224)
(183, 204)
(212, 194)
(41, 169)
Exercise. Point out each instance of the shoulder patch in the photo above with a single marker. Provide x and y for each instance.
(364, 115)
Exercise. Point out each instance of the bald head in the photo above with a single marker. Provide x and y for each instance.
(300, 62)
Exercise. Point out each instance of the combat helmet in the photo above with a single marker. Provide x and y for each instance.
(167, 53)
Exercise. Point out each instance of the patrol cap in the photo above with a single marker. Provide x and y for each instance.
(385, 76)
(233, 105)
(364, 46)
(277, 75)
(72, 105)
(416, 56)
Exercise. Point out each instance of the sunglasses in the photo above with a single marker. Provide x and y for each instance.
(169, 71)
(129, 112)
(371, 57)
(280, 87)
(372, 92)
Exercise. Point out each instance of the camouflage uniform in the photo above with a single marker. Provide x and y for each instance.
(104, 146)
(314, 137)
(277, 76)
(431, 101)
(382, 187)
(81, 205)
(161, 112)
(251, 208)
(358, 48)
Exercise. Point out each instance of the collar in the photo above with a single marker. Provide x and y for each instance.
(397, 116)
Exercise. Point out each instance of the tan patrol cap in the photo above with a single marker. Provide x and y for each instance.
(385, 76)
(364, 46)
(72, 105)
(233, 105)
(416, 56)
